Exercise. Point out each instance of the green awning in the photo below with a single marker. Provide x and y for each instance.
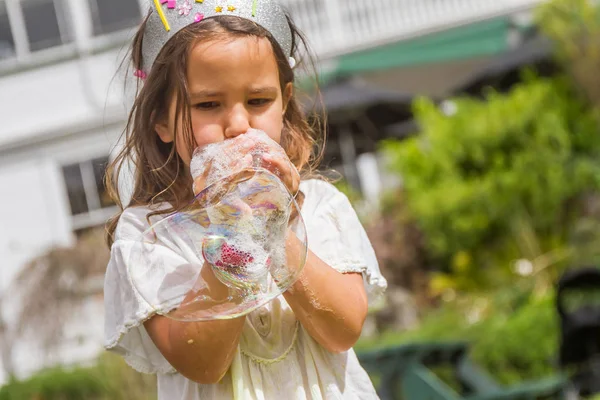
(474, 40)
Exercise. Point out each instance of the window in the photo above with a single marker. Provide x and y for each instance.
(89, 201)
(114, 15)
(7, 43)
(43, 24)
(75, 189)
(99, 165)
(31, 25)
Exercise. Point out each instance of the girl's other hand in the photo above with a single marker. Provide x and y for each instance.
(217, 290)
(281, 166)
(284, 169)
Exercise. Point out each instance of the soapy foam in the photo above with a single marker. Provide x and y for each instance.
(244, 253)
(231, 155)
(251, 228)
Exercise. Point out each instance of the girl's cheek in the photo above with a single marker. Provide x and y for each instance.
(207, 135)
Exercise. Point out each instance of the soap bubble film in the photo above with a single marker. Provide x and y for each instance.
(240, 244)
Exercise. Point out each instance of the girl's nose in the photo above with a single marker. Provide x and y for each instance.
(237, 123)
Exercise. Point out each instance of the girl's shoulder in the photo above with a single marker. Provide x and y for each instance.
(134, 221)
(319, 193)
(318, 190)
(317, 187)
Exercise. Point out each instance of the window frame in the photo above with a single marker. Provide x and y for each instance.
(97, 214)
(75, 23)
(62, 21)
(18, 27)
(10, 29)
(115, 33)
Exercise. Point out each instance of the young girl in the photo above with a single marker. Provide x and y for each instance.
(211, 71)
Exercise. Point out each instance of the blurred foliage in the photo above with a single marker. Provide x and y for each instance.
(109, 379)
(500, 195)
(500, 179)
(53, 285)
(574, 27)
(514, 333)
(399, 246)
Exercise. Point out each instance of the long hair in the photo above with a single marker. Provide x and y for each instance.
(160, 176)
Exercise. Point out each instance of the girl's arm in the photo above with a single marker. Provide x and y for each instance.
(331, 306)
(200, 351)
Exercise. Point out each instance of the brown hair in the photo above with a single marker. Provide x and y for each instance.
(159, 174)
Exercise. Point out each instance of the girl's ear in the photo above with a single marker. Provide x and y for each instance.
(288, 92)
(165, 134)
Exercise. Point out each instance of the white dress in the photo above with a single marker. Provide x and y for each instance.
(276, 357)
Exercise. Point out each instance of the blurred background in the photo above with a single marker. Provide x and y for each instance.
(466, 133)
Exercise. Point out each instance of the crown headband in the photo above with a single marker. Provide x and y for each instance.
(167, 17)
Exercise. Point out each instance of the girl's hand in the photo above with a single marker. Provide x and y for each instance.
(217, 290)
(239, 145)
(284, 169)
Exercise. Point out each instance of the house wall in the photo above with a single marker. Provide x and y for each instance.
(58, 100)
(35, 216)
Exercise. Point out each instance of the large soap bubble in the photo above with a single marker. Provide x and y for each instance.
(240, 244)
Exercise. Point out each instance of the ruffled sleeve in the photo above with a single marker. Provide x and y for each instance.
(125, 309)
(336, 235)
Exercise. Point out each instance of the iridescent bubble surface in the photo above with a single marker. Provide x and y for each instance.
(240, 244)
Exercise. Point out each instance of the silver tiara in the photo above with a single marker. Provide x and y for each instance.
(167, 17)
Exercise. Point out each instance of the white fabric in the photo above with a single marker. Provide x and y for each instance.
(276, 357)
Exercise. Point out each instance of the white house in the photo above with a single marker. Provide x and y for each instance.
(62, 106)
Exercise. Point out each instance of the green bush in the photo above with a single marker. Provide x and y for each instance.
(476, 179)
(514, 334)
(504, 184)
(55, 384)
(109, 379)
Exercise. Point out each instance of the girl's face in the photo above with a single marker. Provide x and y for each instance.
(233, 86)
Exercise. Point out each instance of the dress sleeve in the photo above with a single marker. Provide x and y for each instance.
(336, 236)
(125, 309)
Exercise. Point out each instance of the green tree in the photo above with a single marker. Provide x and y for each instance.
(478, 181)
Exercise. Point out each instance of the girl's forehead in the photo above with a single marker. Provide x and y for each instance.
(232, 59)
(243, 49)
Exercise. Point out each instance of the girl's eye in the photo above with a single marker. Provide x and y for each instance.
(259, 102)
(207, 105)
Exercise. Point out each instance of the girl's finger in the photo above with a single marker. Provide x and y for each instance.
(244, 162)
(240, 144)
(284, 169)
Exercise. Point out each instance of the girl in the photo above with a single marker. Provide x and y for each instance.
(211, 72)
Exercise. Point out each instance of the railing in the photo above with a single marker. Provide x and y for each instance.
(337, 27)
